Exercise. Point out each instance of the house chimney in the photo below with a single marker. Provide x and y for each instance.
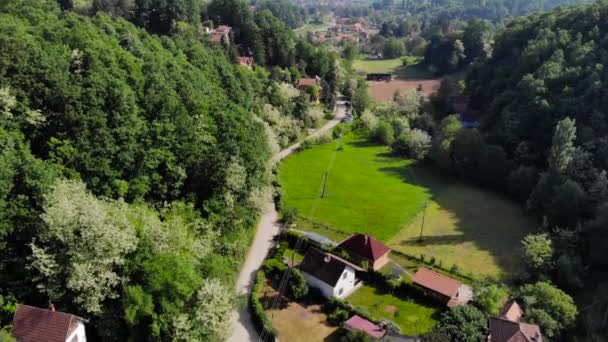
(52, 307)
(366, 239)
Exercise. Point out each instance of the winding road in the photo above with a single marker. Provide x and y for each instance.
(268, 227)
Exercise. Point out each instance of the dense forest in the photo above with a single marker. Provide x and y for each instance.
(134, 165)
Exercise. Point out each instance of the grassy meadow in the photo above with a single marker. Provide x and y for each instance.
(370, 190)
(413, 71)
(412, 317)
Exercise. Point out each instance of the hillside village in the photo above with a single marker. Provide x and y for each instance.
(300, 170)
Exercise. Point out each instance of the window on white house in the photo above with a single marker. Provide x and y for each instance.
(340, 291)
(344, 275)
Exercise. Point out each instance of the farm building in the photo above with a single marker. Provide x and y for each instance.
(508, 327)
(366, 248)
(334, 276)
(32, 324)
(460, 106)
(446, 289)
(380, 77)
(357, 323)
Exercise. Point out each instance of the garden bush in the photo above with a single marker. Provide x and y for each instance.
(258, 315)
(338, 316)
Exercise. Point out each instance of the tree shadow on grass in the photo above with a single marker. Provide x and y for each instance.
(488, 220)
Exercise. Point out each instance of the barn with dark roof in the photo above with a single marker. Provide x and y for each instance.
(32, 324)
(334, 276)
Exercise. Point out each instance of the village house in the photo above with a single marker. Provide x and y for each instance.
(333, 276)
(221, 35)
(366, 248)
(447, 290)
(32, 324)
(358, 323)
(246, 61)
(508, 328)
(304, 83)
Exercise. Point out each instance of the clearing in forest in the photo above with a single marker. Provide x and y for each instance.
(370, 190)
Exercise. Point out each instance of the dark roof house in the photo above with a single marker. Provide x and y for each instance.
(324, 266)
(32, 324)
(367, 248)
(508, 328)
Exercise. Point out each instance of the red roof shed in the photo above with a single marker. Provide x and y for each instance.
(357, 323)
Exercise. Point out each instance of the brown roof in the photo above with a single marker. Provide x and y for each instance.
(436, 282)
(358, 323)
(504, 330)
(364, 246)
(511, 311)
(31, 324)
(246, 61)
(324, 266)
(306, 82)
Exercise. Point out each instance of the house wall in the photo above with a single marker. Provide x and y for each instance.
(343, 287)
(78, 335)
(345, 284)
(379, 263)
(326, 289)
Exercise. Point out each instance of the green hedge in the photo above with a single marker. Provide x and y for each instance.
(260, 320)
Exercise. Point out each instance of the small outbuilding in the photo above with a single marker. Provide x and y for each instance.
(332, 275)
(444, 288)
(32, 324)
(358, 323)
(509, 328)
(304, 83)
(366, 248)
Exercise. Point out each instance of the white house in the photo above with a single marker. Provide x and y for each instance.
(334, 276)
(32, 324)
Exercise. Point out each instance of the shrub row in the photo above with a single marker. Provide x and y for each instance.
(260, 320)
(454, 270)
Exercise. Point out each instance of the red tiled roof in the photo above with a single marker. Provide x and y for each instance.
(503, 330)
(436, 282)
(364, 246)
(361, 324)
(31, 324)
(217, 37)
(306, 82)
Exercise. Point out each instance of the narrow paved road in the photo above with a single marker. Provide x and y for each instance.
(268, 227)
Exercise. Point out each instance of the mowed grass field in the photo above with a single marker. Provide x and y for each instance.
(414, 70)
(369, 190)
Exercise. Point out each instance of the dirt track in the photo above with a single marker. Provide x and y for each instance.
(268, 227)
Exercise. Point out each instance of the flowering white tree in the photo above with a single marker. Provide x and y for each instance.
(85, 241)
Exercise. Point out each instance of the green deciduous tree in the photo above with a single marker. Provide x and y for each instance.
(442, 142)
(562, 148)
(463, 323)
(549, 307)
(491, 298)
(537, 250)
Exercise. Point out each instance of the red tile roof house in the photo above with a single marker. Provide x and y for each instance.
(304, 83)
(31, 324)
(446, 289)
(333, 276)
(357, 323)
(508, 328)
(366, 248)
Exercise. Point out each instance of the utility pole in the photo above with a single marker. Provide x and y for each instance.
(423, 217)
(324, 184)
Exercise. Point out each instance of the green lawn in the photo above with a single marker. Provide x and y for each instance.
(365, 191)
(370, 190)
(413, 318)
(413, 70)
